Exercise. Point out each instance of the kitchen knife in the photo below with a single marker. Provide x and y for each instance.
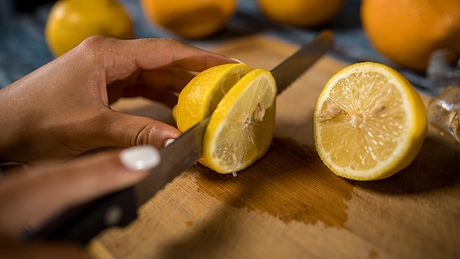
(80, 224)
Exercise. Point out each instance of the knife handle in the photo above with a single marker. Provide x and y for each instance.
(81, 223)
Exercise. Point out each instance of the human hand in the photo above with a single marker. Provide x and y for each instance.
(63, 109)
(31, 198)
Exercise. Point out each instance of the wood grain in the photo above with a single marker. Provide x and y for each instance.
(288, 204)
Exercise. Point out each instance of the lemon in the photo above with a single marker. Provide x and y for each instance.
(189, 19)
(241, 102)
(369, 122)
(242, 126)
(202, 94)
(407, 32)
(71, 21)
(303, 13)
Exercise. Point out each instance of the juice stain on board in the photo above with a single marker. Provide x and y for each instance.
(290, 182)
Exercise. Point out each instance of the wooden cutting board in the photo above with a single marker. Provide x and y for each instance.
(288, 204)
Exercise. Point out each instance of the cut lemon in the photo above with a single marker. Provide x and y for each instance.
(241, 128)
(242, 103)
(369, 122)
(202, 94)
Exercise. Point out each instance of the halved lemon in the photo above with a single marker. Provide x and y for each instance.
(369, 122)
(242, 103)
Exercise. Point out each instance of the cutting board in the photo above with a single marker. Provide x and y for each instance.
(288, 204)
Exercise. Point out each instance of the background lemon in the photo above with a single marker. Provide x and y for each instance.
(72, 21)
(189, 19)
(305, 13)
(369, 122)
(408, 31)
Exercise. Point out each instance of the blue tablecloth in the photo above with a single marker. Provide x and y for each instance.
(23, 47)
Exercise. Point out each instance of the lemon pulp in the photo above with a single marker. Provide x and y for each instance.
(242, 126)
(369, 122)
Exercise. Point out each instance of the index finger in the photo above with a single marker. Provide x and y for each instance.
(124, 57)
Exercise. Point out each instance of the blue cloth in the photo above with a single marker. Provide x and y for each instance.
(23, 46)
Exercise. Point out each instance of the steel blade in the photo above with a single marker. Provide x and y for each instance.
(295, 65)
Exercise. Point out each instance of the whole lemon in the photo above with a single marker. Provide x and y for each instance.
(189, 19)
(408, 31)
(302, 13)
(72, 21)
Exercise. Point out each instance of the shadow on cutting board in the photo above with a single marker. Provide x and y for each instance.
(436, 166)
(288, 184)
(291, 184)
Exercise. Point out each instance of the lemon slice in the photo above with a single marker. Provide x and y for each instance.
(241, 128)
(202, 94)
(369, 122)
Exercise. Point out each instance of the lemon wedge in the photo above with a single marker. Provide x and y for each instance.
(242, 103)
(369, 122)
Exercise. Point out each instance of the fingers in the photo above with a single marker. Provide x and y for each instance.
(124, 130)
(44, 191)
(124, 57)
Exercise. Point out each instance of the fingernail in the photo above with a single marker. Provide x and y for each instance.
(168, 142)
(237, 60)
(140, 157)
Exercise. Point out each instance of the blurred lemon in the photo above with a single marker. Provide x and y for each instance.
(72, 21)
(408, 31)
(369, 122)
(242, 104)
(304, 13)
(189, 18)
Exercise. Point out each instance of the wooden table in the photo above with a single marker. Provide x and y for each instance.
(288, 204)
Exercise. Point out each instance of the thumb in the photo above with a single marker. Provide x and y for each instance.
(32, 197)
(130, 130)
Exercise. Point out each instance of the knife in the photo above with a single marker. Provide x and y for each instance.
(80, 224)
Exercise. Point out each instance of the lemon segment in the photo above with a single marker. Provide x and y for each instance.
(369, 122)
(202, 94)
(242, 126)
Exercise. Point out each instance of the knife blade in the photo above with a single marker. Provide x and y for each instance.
(80, 224)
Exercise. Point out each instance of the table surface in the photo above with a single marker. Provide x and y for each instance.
(23, 47)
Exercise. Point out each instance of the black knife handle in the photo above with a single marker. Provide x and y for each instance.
(81, 223)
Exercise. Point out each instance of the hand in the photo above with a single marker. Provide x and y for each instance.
(30, 198)
(63, 109)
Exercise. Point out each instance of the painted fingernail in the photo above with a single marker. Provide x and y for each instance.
(237, 61)
(140, 157)
(168, 142)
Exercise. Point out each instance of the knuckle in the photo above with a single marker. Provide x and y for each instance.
(94, 47)
(141, 136)
(93, 42)
(169, 42)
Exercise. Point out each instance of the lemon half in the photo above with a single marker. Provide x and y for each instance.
(369, 122)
